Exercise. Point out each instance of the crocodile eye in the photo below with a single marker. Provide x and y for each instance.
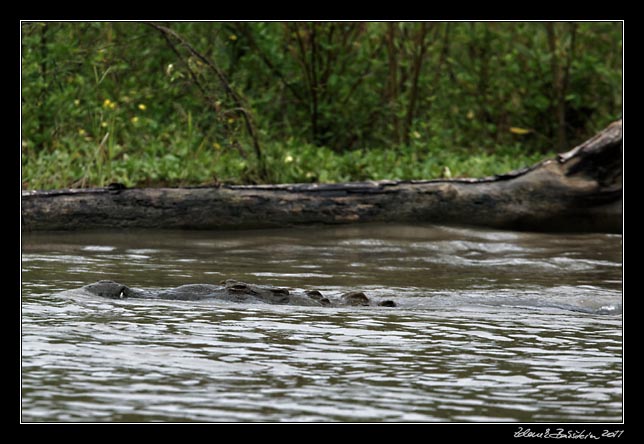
(238, 287)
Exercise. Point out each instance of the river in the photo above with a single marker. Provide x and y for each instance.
(491, 326)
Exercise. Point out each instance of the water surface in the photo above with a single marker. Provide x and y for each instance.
(490, 326)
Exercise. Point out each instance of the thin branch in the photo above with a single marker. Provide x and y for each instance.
(366, 72)
(570, 55)
(314, 80)
(243, 29)
(418, 63)
(441, 60)
(302, 58)
(391, 91)
(236, 97)
(193, 75)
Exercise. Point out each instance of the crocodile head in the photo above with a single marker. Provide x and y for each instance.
(108, 289)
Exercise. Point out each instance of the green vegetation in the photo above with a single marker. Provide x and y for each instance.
(201, 103)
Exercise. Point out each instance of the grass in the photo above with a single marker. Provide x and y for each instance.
(177, 163)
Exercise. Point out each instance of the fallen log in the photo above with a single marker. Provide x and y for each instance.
(578, 191)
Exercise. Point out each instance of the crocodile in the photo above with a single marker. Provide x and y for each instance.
(234, 291)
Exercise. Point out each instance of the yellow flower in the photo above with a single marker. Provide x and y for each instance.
(134, 119)
(107, 103)
(232, 37)
(230, 120)
(288, 159)
(81, 132)
(470, 114)
(416, 135)
(77, 102)
(216, 146)
(519, 131)
(104, 124)
(142, 107)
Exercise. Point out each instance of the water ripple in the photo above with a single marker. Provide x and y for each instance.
(490, 326)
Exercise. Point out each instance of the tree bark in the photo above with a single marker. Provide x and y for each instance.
(578, 191)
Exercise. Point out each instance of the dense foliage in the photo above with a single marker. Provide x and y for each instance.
(198, 103)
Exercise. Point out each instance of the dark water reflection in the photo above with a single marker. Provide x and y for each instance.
(491, 326)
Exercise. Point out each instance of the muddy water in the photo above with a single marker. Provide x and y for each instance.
(490, 326)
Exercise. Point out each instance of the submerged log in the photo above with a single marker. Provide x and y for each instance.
(580, 190)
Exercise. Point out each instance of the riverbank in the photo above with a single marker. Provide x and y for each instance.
(96, 166)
